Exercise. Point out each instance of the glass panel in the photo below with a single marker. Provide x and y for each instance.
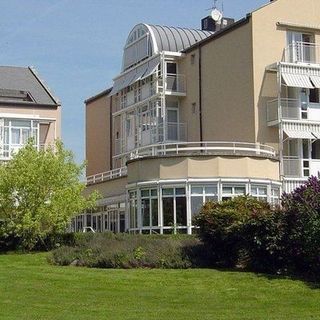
(239, 190)
(25, 136)
(181, 211)
(226, 189)
(145, 212)
(211, 189)
(167, 208)
(154, 209)
(154, 192)
(196, 190)
(145, 193)
(196, 205)
(15, 136)
(21, 123)
(180, 191)
(167, 192)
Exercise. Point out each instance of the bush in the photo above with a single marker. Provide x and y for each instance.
(231, 229)
(302, 227)
(107, 250)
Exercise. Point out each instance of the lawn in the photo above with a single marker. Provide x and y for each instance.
(32, 289)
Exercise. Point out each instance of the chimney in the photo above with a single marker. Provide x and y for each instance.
(208, 24)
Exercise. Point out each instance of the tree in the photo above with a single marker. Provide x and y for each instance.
(39, 192)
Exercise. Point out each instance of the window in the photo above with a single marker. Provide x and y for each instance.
(15, 133)
(200, 195)
(174, 207)
(133, 209)
(193, 58)
(193, 108)
(275, 195)
(149, 207)
(300, 48)
(231, 191)
(259, 192)
(314, 95)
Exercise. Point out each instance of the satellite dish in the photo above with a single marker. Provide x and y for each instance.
(216, 15)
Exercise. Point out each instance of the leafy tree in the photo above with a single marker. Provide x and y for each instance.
(39, 192)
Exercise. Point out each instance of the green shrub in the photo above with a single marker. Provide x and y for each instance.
(107, 250)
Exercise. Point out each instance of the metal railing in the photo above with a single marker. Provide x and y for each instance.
(289, 109)
(108, 175)
(202, 148)
(151, 134)
(175, 83)
(302, 52)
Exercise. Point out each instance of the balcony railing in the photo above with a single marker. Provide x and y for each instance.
(295, 167)
(175, 83)
(204, 148)
(292, 109)
(151, 134)
(302, 52)
(108, 175)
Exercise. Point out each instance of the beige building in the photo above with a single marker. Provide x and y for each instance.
(27, 110)
(210, 114)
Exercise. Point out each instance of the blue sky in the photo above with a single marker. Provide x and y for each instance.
(76, 45)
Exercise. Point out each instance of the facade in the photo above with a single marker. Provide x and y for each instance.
(210, 114)
(27, 110)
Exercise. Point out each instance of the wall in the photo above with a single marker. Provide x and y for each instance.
(98, 122)
(269, 40)
(54, 131)
(202, 167)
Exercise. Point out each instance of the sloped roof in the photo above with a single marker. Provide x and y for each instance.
(175, 38)
(25, 79)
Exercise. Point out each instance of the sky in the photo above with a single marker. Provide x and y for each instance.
(76, 45)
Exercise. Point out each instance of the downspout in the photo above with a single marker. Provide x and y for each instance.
(111, 129)
(200, 95)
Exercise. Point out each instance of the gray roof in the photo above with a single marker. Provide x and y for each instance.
(22, 79)
(176, 39)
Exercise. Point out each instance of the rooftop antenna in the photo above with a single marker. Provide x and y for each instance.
(216, 15)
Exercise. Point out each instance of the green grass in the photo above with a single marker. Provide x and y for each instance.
(32, 289)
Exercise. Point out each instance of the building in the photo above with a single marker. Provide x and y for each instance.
(27, 110)
(205, 114)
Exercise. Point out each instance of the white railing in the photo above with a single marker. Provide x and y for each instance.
(201, 148)
(292, 109)
(302, 52)
(175, 83)
(295, 167)
(151, 134)
(290, 184)
(108, 175)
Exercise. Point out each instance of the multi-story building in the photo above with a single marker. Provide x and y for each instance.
(210, 114)
(27, 110)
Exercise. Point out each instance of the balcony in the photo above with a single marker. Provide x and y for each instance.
(149, 134)
(302, 52)
(175, 84)
(295, 167)
(204, 148)
(106, 176)
(292, 109)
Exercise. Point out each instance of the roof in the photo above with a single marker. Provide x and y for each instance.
(22, 84)
(98, 95)
(175, 38)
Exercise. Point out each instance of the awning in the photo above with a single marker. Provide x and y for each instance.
(316, 134)
(299, 134)
(297, 80)
(152, 66)
(134, 75)
(315, 80)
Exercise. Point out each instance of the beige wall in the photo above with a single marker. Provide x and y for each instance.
(98, 123)
(227, 87)
(202, 167)
(112, 188)
(268, 44)
(54, 113)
